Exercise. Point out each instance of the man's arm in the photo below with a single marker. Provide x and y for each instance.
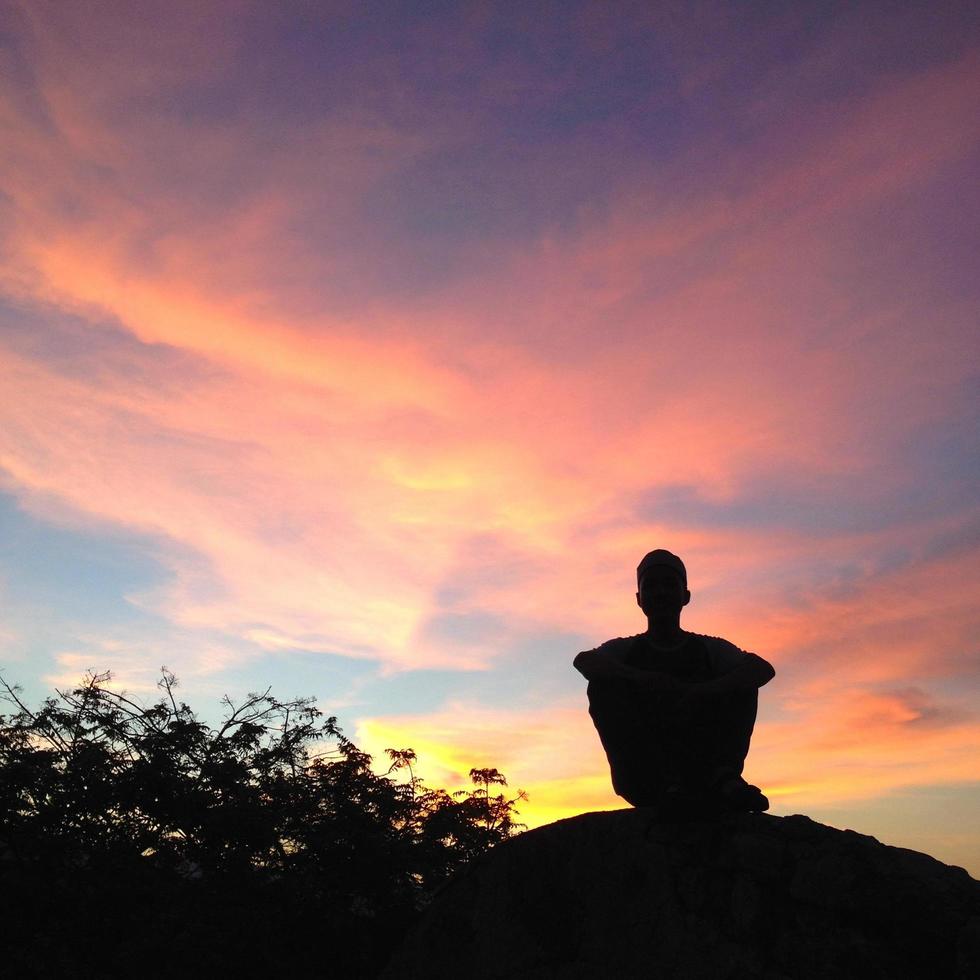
(607, 663)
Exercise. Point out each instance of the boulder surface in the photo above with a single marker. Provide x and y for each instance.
(619, 894)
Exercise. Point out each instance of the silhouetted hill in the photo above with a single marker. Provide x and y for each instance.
(619, 895)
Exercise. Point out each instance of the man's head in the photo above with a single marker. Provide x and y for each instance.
(661, 584)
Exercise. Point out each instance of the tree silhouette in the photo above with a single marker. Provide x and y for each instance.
(136, 833)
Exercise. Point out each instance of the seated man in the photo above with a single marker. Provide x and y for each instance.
(675, 710)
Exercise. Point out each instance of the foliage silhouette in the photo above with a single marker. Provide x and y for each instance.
(138, 839)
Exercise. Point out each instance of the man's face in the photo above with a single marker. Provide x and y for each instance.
(662, 590)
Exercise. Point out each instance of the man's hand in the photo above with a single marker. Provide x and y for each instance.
(660, 683)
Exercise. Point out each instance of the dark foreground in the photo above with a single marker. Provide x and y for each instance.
(620, 895)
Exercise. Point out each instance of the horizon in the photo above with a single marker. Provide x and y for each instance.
(362, 351)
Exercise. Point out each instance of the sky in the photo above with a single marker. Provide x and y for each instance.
(363, 349)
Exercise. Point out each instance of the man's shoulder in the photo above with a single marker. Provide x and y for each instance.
(713, 641)
(618, 644)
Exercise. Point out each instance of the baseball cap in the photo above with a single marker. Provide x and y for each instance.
(661, 557)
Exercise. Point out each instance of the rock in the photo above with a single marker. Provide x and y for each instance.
(618, 894)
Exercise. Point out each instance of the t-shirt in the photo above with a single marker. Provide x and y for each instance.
(698, 658)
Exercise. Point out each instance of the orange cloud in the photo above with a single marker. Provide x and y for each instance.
(853, 744)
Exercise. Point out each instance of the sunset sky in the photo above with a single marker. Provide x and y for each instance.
(362, 349)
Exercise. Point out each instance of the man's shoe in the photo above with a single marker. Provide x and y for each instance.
(737, 796)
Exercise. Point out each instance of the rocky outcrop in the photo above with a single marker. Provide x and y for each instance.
(620, 895)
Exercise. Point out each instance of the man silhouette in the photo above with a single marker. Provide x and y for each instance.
(675, 710)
